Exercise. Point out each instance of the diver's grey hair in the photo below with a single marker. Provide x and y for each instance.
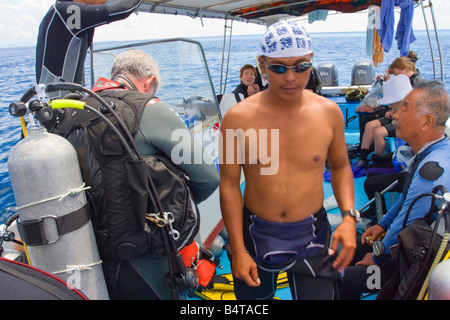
(433, 100)
(136, 64)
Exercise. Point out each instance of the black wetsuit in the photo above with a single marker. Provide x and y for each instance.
(67, 31)
(240, 89)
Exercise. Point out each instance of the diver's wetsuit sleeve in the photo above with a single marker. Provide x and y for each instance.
(92, 16)
(121, 9)
(161, 129)
(95, 15)
(66, 32)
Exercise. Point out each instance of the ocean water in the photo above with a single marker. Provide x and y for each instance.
(17, 74)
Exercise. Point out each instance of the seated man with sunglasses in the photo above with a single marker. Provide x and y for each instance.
(280, 223)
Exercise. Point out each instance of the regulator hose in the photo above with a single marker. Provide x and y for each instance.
(412, 274)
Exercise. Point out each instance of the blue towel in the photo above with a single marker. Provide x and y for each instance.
(387, 20)
(404, 35)
(317, 15)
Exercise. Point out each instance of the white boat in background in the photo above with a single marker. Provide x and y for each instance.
(197, 103)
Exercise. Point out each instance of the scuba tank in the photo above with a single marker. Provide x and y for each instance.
(54, 217)
(439, 288)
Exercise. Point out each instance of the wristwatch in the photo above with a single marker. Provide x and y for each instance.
(352, 212)
(378, 248)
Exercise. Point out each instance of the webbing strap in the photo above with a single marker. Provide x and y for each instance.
(33, 233)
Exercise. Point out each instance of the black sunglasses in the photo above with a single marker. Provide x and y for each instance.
(280, 69)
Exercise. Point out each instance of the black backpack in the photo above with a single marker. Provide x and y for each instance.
(126, 222)
(419, 248)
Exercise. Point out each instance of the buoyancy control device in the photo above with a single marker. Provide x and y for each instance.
(54, 216)
(119, 182)
(421, 246)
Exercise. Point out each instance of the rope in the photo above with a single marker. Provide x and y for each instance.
(71, 268)
(71, 192)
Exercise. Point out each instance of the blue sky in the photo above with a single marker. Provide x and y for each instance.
(19, 22)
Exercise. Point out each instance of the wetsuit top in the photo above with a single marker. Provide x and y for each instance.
(162, 129)
(65, 33)
(242, 88)
(415, 79)
(433, 170)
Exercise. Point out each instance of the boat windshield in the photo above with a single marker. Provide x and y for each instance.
(186, 82)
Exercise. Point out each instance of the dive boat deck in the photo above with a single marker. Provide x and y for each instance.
(259, 12)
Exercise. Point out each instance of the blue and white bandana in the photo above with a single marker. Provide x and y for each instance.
(285, 39)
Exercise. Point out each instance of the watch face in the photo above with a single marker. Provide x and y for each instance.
(378, 248)
(352, 213)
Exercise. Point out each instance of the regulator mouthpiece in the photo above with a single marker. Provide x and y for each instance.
(18, 109)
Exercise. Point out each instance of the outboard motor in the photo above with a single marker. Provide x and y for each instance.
(329, 73)
(363, 72)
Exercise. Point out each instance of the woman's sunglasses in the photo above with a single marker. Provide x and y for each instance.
(280, 69)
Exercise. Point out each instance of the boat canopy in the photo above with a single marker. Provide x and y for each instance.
(256, 11)
(268, 12)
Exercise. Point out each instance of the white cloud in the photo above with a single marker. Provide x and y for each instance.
(19, 22)
(157, 26)
(20, 19)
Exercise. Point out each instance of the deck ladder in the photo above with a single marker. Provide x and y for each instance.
(228, 30)
(439, 59)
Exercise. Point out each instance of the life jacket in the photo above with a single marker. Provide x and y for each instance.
(122, 208)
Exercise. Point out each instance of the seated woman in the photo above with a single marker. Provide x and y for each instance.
(394, 90)
(247, 87)
(403, 65)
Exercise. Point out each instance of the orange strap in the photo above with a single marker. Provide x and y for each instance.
(189, 254)
(205, 269)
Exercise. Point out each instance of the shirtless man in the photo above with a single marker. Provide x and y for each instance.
(283, 219)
